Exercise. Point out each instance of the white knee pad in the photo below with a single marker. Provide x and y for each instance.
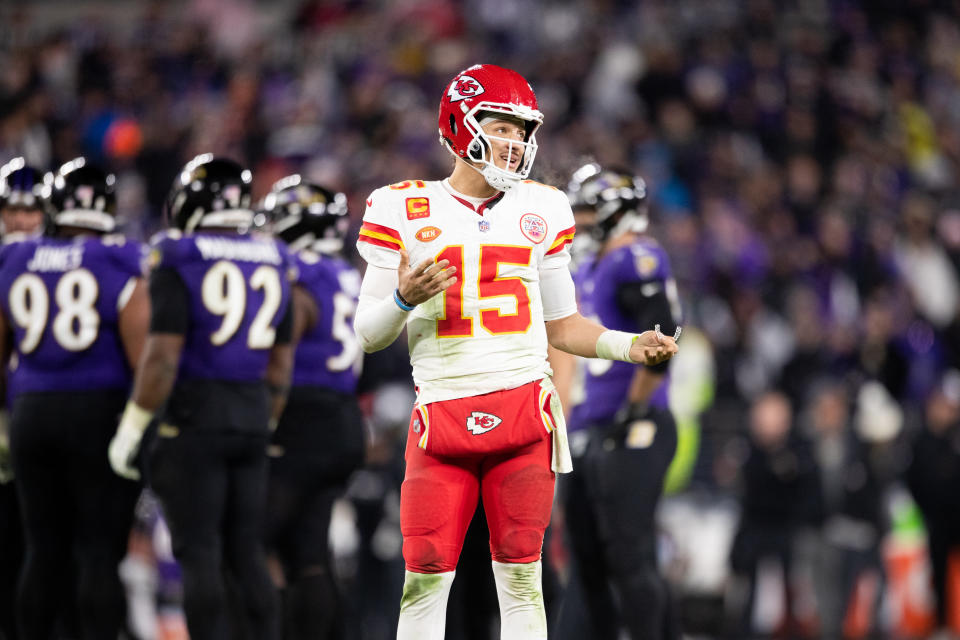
(423, 607)
(519, 590)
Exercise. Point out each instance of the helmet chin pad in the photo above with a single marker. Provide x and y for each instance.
(499, 179)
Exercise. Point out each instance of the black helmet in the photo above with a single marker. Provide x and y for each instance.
(306, 215)
(20, 185)
(81, 195)
(211, 192)
(614, 194)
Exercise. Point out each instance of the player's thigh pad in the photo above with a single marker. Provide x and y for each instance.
(517, 498)
(437, 502)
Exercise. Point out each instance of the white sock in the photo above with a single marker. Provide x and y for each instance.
(423, 607)
(519, 590)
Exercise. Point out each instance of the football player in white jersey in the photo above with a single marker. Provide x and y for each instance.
(489, 289)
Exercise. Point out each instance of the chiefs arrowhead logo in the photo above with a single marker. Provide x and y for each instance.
(464, 87)
(479, 422)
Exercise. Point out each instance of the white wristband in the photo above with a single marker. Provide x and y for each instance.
(135, 417)
(615, 345)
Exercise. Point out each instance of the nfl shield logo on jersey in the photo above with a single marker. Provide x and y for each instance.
(479, 422)
(484, 225)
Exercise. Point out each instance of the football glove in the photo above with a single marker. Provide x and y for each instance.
(126, 441)
(634, 426)
(632, 412)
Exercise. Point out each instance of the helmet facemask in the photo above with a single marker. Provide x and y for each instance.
(616, 198)
(481, 149)
(307, 216)
(211, 192)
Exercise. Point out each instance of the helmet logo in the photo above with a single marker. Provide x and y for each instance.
(231, 194)
(533, 227)
(464, 87)
(85, 196)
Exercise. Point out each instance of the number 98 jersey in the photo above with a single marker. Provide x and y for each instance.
(486, 332)
(237, 292)
(62, 298)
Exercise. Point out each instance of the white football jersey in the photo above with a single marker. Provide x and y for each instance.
(486, 332)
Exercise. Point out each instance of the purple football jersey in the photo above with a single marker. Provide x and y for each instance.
(329, 355)
(62, 298)
(239, 289)
(606, 383)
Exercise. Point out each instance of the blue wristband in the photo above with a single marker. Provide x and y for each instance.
(403, 304)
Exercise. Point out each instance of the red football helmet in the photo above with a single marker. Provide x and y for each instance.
(493, 89)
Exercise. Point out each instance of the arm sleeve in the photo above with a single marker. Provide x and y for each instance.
(558, 293)
(649, 304)
(556, 285)
(169, 302)
(378, 320)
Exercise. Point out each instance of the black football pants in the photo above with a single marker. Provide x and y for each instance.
(212, 486)
(76, 511)
(610, 500)
(317, 446)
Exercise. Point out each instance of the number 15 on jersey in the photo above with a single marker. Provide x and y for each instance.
(455, 323)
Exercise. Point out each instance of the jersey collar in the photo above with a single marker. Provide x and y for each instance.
(480, 208)
(483, 206)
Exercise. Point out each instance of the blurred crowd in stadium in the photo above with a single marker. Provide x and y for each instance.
(802, 162)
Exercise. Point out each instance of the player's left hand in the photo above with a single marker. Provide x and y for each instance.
(652, 347)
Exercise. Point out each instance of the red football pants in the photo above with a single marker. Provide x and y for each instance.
(439, 496)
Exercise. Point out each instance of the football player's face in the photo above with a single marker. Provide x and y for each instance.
(21, 219)
(504, 134)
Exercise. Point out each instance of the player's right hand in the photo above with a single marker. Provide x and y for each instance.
(652, 347)
(420, 283)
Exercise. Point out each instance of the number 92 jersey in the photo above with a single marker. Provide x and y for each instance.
(237, 291)
(486, 332)
(62, 298)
